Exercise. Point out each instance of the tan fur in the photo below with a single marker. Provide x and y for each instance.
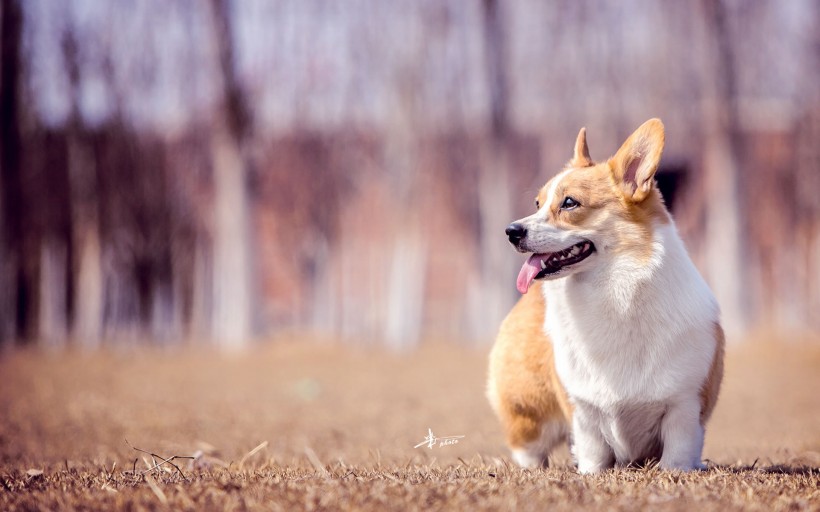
(523, 385)
(710, 389)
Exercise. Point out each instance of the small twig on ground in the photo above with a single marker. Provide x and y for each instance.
(110, 475)
(314, 460)
(251, 453)
(163, 460)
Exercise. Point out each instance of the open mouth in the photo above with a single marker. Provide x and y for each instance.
(539, 266)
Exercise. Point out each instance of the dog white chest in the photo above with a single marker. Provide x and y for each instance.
(630, 337)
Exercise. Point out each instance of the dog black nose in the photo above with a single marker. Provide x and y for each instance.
(516, 232)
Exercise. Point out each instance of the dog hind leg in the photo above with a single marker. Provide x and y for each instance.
(535, 453)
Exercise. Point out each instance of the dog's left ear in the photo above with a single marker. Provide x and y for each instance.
(580, 156)
(634, 165)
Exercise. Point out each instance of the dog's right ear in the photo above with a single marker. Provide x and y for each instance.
(634, 165)
(580, 157)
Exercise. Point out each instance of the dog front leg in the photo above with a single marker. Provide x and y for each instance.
(682, 436)
(590, 449)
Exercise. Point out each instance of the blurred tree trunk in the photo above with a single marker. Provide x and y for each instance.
(721, 136)
(231, 255)
(84, 199)
(53, 205)
(806, 165)
(87, 330)
(491, 297)
(324, 300)
(19, 253)
(52, 330)
(807, 170)
(52, 309)
(404, 301)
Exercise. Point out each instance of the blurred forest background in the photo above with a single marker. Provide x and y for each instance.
(221, 171)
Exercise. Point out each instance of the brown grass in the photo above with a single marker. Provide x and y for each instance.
(340, 427)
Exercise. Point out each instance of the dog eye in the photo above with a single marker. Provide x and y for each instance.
(537, 205)
(569, 203)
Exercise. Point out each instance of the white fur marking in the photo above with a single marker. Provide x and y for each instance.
(551, 192)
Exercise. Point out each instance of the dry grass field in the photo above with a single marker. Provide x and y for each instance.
(310, 425)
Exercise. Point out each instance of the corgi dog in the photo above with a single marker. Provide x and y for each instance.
(616, 343)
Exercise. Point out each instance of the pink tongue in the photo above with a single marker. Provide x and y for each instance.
(528, 272)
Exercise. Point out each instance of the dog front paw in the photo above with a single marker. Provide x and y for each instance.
(680, 465)
(590, 466)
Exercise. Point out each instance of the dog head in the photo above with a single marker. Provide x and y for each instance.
(590, 213)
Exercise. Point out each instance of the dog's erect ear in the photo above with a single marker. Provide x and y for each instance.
(580, 157)
(634, 165)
